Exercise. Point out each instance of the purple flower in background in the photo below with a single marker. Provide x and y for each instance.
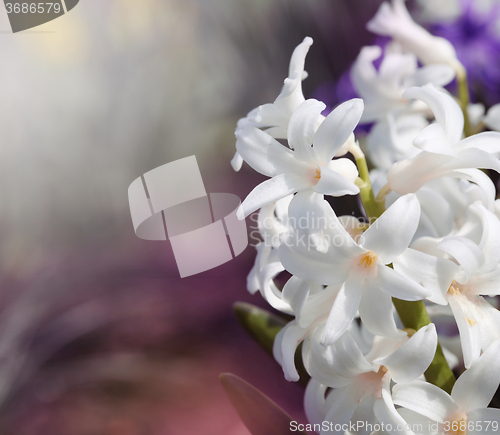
(334, 93)
(477, 42)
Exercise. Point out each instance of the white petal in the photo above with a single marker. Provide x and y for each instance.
(269, 289)
(237, 161)
(433, 273)
(349, 359)
(466, 252)
(484, 421)
(476, 386)
(475, 158)
(445, 109)
(382, 144)
(386, 413)
(438, 212)
(394, 67)
(392, 232)
(269, 191)
(314, 402)
(488, 141)
(285, 345)
(334, 365)
(377, 311)
(291, 94)
(271, 226)
(318, 305)
(397, 23)
(420, 424)
(492, 119)
(413, 358)
(344, 167)
(482, 180)
(336, 129)
(308, 216)
(302, 127)
(488, 320)
(470, 333)
(265, 116)
(407, 176)
(264, 153)
(307, 263)
(433, 139)
(320, 363)
(438, 75)
(342, 403)
(490, 239)
(298, 58)
(476, 113)
(295, 293)
(288, 100)
(334, 184)
(344, 309)
(387, 18)
(364, 74)
(253, 280)
(398, 286)
(365, 416)
(424, 398)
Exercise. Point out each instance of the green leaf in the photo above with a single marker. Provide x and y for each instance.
(262, 325)
(260, 414)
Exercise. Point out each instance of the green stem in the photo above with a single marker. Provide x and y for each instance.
(464, 97)
(413, 314)
(373, 207)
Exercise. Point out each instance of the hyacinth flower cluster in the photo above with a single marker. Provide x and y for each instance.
(385, 305)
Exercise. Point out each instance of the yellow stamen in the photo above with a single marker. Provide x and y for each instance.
(471, 322)
(367, 259)
(457, 426)
(318, 174)
(382, 370)
(454, 291)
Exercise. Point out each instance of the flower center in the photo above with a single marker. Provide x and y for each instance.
(367, 259)
(317, 177)
(372, 382)
(454, 289)
(456, 425)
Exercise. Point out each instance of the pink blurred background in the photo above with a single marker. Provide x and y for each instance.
(98, 334)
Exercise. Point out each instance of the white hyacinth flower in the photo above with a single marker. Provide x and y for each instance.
(307, 164)
(465, 411)
(382, 90)
(272, 221)
(462, 286)
(397, 119)
(444, 153)
(361, 383)
(395, 21)
(274, 117)
(368, 284)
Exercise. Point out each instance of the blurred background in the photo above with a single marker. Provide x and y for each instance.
(98, 334)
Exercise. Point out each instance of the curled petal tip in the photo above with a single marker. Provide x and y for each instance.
(307, 40)
(240, 213)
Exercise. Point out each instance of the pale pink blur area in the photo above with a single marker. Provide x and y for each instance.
(98, 333)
